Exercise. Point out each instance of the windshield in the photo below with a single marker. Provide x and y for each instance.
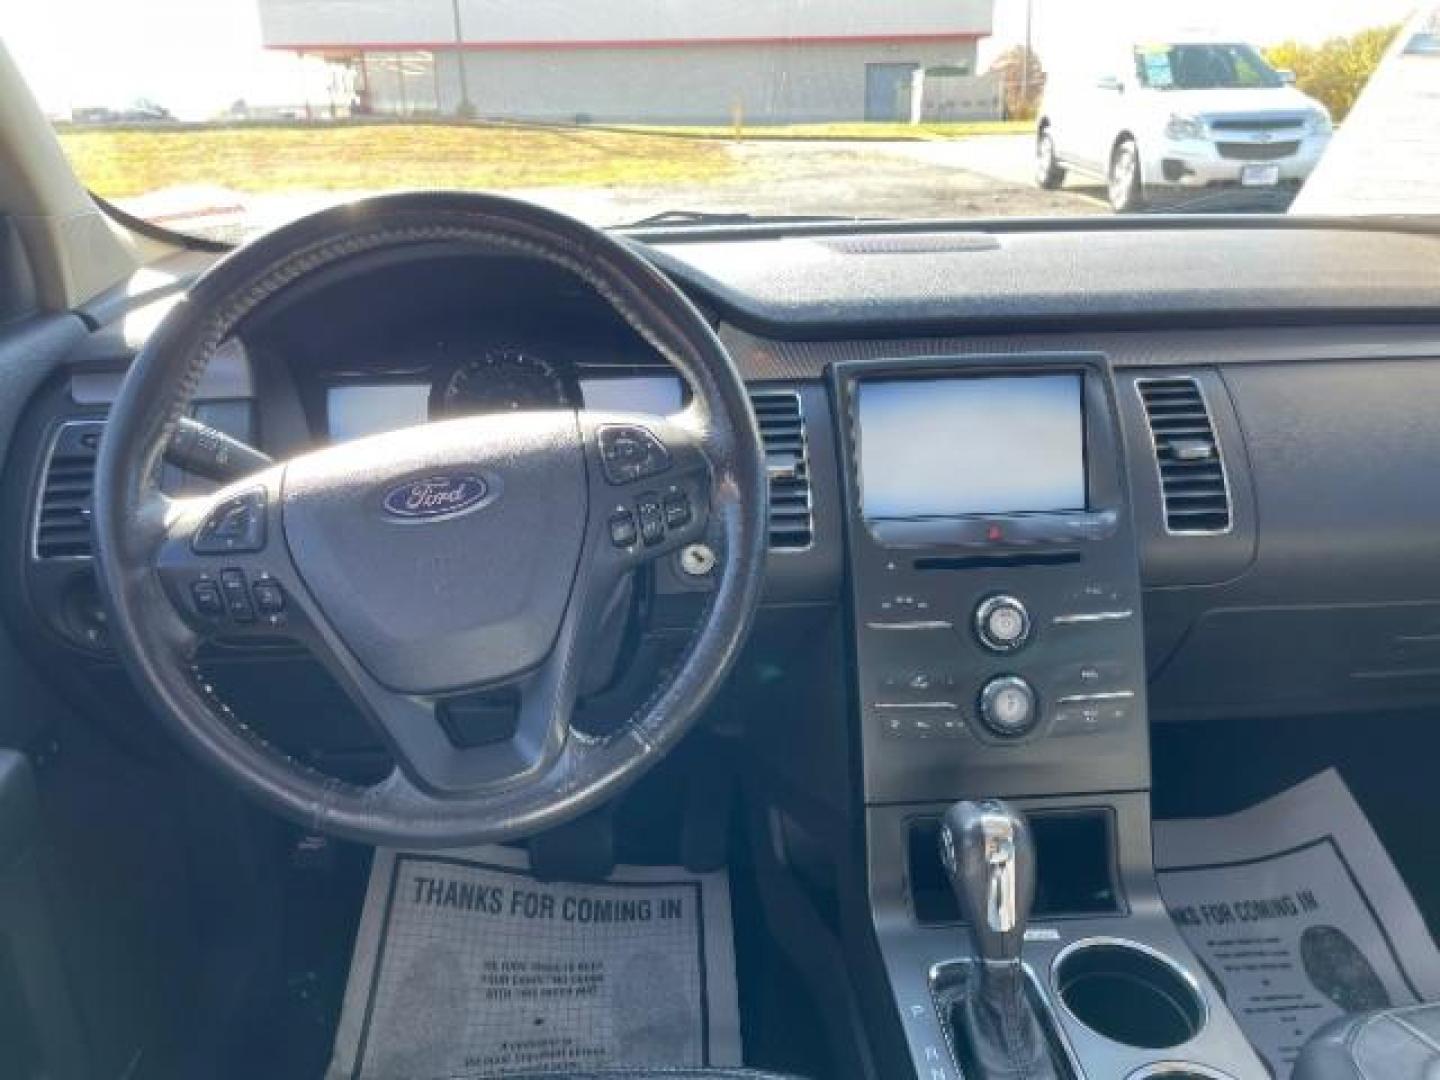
(229, 117)
(1203, 67)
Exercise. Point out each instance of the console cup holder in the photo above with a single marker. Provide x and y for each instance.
(1130, 995)
(1177, 1070)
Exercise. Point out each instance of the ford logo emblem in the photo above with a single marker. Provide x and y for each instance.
(431, 498)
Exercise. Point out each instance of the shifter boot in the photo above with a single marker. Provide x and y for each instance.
(997, 1032)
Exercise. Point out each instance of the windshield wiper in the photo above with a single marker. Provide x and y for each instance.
(681, 217)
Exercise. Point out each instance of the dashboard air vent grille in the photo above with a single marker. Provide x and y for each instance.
(62, 521)
(1192, 472)
(782, 430)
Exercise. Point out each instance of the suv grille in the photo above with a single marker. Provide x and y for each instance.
(1275, 151)
(1272, 123)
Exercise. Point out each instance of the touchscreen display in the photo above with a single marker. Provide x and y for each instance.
(955, 446)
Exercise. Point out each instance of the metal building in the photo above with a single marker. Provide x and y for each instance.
(652, 61)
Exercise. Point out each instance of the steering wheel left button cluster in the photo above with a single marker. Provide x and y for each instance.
(238, 599)
(235, 526)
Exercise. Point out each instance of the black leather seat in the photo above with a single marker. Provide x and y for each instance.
(1392, 1044)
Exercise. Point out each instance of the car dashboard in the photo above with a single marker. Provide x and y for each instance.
(1291, 579)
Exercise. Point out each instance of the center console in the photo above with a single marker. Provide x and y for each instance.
(995, 579)
(998, 640)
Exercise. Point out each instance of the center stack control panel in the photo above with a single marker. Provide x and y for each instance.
(999, 651)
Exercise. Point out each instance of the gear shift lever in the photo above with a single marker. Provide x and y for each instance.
(989, 854)
(990, 857)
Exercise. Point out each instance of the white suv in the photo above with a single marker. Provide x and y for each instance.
(1180, 115)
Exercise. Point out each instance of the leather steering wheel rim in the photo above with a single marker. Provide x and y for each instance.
(145, 540)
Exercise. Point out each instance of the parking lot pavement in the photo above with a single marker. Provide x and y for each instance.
(1003, 159)
(1008, 159)
(871, 180)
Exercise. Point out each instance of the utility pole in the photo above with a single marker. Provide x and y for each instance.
(466, 108)
(1025, 59)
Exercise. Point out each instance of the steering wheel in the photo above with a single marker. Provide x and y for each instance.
(427, 563)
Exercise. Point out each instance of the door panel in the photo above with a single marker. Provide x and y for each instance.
(887, 91)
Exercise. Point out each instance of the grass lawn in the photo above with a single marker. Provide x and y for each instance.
(122, 162)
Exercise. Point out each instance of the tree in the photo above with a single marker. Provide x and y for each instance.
(1335, 71)
(1022, 93)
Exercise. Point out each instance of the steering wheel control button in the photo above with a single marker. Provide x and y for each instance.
(677, 510)
(237, 595)
(623, 530)
(269, 596)
(1008, 707)
(236, 526)
(1002, 624)
(207, 598)
(629, 453)
(652, 520)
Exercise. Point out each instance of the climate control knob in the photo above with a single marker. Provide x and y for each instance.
(1002, 624)
(1008, 707)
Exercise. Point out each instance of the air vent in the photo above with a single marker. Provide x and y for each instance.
(62, 522)
(1192, 471)
(782, 430)
(912, 244)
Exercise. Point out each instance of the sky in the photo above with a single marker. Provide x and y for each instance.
(197, 56)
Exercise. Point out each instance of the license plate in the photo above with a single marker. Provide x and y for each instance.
(1260, 175)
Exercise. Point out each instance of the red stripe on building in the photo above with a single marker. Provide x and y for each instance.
(620, 43)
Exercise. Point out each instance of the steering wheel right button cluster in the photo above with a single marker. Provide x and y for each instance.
(652, 519)
(629, 453)
(1009, 707)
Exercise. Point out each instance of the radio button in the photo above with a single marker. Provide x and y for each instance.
(1002, 624)
(1009, 707)
(1092, 717)
(1085, 678)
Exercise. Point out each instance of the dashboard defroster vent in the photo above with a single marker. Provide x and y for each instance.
(782, 430)
(62, 515)
(1193, 483)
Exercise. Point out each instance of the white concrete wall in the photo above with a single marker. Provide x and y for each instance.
(940, 97)
(772, 83)
(287, 23)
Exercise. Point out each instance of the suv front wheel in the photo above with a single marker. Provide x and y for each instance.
(1049, 173)
(1126, 191)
